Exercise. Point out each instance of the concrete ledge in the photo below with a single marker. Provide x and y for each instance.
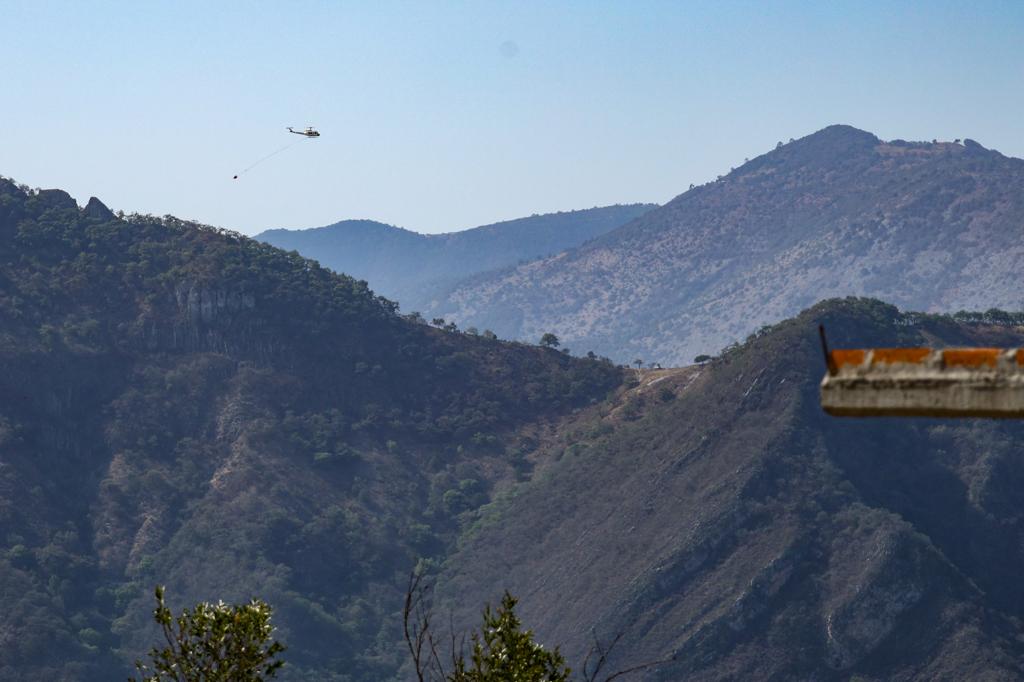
(921, 382)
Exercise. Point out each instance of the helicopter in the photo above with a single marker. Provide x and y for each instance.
(309, 133)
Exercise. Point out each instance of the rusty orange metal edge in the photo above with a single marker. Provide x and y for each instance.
(972, 357)
(889, 356)
(853, 356)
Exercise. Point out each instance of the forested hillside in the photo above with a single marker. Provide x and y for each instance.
(417, 270)
(186, 406)
(932, 226)
(719, 518)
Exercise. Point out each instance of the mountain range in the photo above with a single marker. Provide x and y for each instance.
(185, 406)
(930, 226)
(417, 269)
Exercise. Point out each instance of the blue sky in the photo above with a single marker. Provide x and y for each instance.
(443, 116)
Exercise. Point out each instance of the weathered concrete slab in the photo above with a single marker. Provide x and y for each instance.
(922, 382)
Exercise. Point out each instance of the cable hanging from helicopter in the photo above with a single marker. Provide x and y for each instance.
(309, 133)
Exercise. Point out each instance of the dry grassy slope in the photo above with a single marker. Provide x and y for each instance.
(926, 226)
(737, 528)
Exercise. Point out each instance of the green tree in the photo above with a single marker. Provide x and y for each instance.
(549, 340)
(503, 650)
(213, 643)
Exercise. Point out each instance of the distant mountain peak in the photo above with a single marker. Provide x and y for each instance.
(839, 138)
(842, 131)
(351, 225)
(355, 223)
(928, 225)
(417, 269)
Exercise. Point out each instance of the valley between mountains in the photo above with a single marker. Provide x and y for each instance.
(186, 406)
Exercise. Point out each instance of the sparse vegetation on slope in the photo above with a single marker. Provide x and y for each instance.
(927, 226)
(730, 524)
